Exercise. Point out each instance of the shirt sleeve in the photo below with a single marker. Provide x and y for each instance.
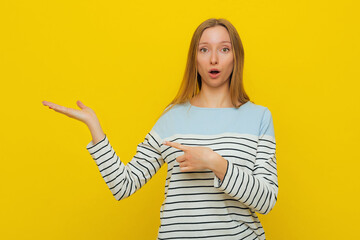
(125, 179)
(258, 190)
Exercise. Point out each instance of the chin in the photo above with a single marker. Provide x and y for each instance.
(214, 82)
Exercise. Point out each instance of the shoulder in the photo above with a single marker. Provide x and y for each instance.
(265, 119)
(256, 107)
(261, 117)
(256, 111)
(163, 123)
(263, 112)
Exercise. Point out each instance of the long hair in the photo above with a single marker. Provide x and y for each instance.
(191, 83)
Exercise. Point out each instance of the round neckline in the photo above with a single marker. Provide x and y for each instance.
(206, 108)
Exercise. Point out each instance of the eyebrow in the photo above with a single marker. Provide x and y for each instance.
(220, 42)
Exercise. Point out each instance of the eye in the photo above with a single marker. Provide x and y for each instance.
(202, 49)
(227, 49)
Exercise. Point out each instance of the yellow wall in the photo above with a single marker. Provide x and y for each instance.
(126, 60)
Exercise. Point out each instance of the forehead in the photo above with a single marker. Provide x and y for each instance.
(215, 35)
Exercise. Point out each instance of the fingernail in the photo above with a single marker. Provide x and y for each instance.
(50, 107)
(164, 142)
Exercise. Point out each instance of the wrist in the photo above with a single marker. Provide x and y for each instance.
(94, 124)
(215, 161)
(219, 165)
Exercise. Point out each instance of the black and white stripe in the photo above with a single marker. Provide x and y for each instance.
(257, 189)
(125, 179)
(197, 204)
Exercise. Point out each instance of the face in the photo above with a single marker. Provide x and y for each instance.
(215, 52)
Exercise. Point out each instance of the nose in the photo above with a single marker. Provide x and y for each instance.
(214, 58)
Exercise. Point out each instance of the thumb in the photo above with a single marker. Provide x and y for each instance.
(80, 104)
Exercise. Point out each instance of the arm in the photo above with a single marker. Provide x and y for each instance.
(257, 190)
(124, 180)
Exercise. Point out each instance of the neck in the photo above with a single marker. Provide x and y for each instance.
(213, 99)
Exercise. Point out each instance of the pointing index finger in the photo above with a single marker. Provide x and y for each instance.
(175, 145)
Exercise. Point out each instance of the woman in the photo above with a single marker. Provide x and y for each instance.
(218, 145)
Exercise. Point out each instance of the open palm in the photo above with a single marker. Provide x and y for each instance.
(85, 114)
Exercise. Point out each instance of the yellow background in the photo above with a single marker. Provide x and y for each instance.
(126, 60)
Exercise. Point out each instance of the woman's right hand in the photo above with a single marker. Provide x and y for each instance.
(85, 114)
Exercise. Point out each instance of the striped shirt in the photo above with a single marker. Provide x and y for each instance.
(197, 205)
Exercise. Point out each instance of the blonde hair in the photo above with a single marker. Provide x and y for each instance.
(191, 83)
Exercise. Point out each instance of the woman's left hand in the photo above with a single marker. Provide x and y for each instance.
(194, 158)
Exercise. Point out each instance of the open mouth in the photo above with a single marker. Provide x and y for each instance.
(214, 73)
